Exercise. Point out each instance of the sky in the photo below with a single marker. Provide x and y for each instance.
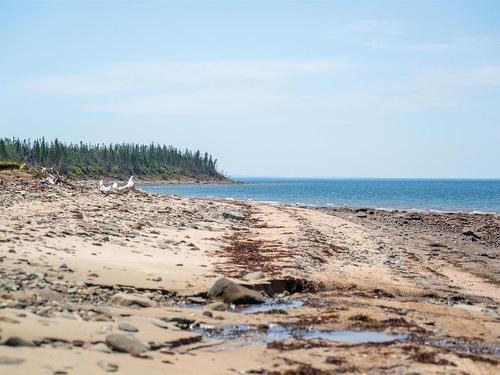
(270, 88)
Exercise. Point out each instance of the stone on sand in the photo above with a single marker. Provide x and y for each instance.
(233, 293)
(124, 299)
(252, 276)
(18, 341)
(216, 306)
(127, 327)
(126, 343)
(160, 323)
(233, 215)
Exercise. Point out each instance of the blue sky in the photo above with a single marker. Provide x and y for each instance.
(272, 88)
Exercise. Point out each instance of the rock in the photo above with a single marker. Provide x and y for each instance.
(182, 323)
(124, 299)
(18, 341)
(233, 215)
(104, 310)
(208, 313)
(196, 299)
(255, 276)
(160, 323)
(49, 295)
(216, 306)
(127, 327)
(11, 361)
(125, 343)
(100, 347)
(233, 293)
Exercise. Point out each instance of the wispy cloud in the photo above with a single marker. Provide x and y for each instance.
(374, 27)
(137, 77)
(484, 76)
(391, 35)
(237, 99)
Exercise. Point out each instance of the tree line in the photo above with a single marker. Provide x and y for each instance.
(118, 160)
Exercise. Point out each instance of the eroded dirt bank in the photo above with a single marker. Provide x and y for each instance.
(96, 284)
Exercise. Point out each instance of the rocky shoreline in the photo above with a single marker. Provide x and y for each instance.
(157, 284)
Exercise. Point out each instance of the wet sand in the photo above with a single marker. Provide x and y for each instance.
(94, 284)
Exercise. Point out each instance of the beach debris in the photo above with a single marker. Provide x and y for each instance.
(233, 293)
(48, 176)
(115, 189)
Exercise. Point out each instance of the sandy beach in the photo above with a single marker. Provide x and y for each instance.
(91, 284)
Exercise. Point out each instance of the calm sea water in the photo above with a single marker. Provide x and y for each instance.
(418, 194)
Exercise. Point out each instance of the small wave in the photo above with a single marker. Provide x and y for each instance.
(267, 202)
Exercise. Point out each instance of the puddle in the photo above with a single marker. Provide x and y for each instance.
(256, 335)
(356, 337)
(270, 305)
(194, 306)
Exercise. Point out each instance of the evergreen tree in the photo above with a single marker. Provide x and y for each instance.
(115, 159)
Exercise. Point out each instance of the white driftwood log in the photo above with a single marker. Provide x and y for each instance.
(115, 189)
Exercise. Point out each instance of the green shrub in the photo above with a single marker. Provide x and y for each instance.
(9, 165)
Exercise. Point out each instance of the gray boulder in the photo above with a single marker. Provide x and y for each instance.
(233, 293)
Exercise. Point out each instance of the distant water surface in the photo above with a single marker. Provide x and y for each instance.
(410, 194)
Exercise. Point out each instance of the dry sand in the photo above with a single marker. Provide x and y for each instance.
(67, 251)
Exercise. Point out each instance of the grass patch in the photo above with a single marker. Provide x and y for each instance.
(4, 165)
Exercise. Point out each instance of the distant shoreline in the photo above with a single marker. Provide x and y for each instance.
(477, 197)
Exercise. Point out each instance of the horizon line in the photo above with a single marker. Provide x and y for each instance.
(362, 177)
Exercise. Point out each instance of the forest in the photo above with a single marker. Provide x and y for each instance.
(113, 160)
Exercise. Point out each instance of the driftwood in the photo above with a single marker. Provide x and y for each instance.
(115, 189)
(48, 176)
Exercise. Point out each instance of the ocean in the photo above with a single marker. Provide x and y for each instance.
(408, 194)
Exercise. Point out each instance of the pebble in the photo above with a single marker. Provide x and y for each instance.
(160, 323)
(18, 341)
(127, 327)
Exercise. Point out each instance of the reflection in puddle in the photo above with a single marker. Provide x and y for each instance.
(256, 335)
(271, 305)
